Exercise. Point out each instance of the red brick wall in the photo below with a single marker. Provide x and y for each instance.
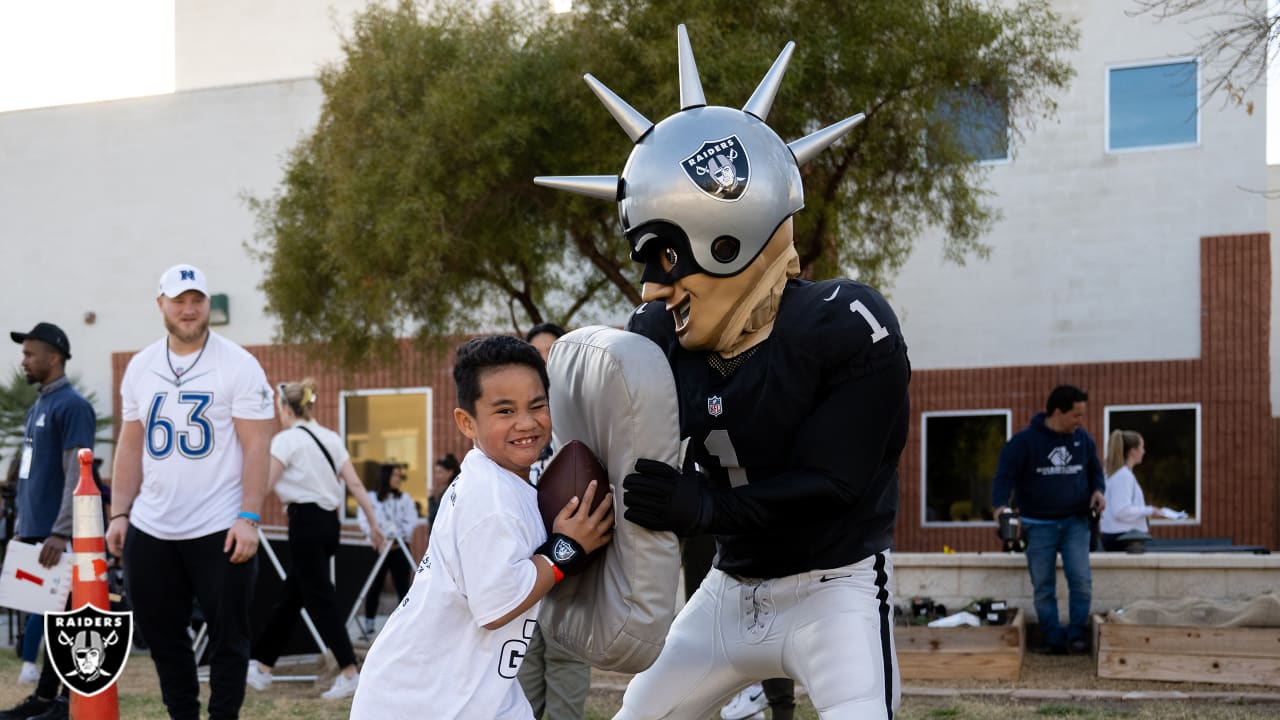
(410, 366)
(1231, 381)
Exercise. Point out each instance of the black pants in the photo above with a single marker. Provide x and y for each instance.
(313, 540)
(398, 565)
(49, 684)
(161, 578)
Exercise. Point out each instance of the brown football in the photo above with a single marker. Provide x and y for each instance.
(566, 477)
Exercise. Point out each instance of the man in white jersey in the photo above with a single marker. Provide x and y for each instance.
(190, 475)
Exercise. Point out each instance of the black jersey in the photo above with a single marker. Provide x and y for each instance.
(806, 428)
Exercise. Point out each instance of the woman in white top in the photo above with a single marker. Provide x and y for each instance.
(397, 515)
(309, 468)
(1126, 509)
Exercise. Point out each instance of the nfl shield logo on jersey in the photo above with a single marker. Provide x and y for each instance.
(715, 405)
(88, 647)
(720, 168)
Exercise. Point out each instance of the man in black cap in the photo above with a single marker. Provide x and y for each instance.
(58, 425)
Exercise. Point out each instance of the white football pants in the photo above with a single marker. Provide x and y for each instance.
(830, 630)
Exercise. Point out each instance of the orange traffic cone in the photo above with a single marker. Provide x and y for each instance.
(89, 580)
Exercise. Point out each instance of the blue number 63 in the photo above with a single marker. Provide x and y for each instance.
(161, 431)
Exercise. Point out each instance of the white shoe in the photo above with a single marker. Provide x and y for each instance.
(256, 678)
(746, 705)
(343, 686)
(30, 673)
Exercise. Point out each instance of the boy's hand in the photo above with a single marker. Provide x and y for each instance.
(591, 530)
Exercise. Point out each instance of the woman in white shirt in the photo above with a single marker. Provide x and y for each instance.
(397, 515)
(309, 469)
(1126, 509)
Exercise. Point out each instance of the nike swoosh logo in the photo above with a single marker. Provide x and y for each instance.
(640, 310)
(756, 697)
(834, 293)
(829, 578)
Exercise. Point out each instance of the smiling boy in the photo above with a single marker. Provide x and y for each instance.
(453, 647)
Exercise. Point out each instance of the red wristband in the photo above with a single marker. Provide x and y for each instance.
(556, 571)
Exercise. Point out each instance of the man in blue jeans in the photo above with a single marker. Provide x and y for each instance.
(1052, 472)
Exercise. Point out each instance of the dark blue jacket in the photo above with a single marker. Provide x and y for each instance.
(1051, 475)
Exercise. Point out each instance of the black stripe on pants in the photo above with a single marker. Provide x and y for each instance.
(886, 631)
(313, 540)
(162, 577)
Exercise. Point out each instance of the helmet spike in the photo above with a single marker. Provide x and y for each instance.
(809, 146)
(635, 124)
(690, 86)
(762, 99)
(604, 187)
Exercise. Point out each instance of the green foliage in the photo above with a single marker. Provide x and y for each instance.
(16, 397)
(411, 208)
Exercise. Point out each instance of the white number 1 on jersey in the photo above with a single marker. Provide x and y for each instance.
(878, 331)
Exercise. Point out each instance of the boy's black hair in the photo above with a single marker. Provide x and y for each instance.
(536, 330)
(1064, 397)
(479, 355)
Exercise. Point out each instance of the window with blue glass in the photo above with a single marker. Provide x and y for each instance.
(980, 121)
(1151, 106)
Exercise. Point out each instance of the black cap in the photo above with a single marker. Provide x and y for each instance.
(49, 334)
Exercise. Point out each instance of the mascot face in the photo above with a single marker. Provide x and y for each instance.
(702, 195)
(705, 308)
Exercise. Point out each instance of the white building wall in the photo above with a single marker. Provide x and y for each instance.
(1097, 257)
(233, 42)
(98, 199)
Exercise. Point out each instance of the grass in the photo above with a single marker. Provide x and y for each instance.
(140, 700)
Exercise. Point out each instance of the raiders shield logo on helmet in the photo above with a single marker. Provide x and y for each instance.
(720, 168)
(88, 647)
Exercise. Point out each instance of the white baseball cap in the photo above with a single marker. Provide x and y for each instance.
(181, 278)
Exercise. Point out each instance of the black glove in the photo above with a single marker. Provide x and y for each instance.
(659, 497)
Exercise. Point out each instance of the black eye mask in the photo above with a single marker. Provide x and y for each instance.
(662, 239)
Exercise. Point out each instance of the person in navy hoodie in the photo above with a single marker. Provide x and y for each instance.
(1050, 472)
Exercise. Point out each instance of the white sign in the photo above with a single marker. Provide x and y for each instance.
(31, 587)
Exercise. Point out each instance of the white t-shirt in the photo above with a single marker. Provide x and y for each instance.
(192, 462)
(308, 477)
(1126, 508)
(434, 658)
(397, 515)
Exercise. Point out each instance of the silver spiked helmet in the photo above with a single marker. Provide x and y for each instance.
(720, 176)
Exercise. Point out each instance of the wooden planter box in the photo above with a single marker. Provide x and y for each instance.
(990, 652)
(1248, 656)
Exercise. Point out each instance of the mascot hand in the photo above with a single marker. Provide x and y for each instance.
(659, 497)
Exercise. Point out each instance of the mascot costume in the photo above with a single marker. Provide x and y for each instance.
(792, 397)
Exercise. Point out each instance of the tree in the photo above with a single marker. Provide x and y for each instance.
(411, 208)
(16, 397)
(1238, 46)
